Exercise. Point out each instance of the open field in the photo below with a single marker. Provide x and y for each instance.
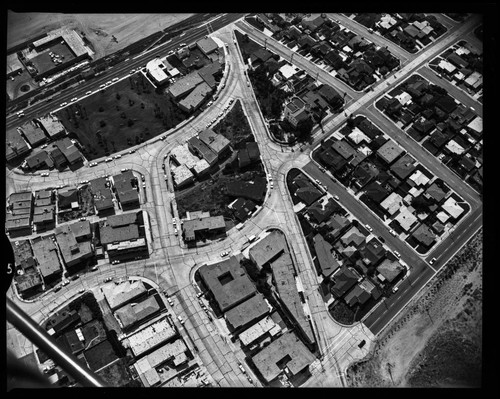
(436, 340)
(98, 28)
(119, 117)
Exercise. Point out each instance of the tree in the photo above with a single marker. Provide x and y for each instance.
(304, 129)
(102, 123)
(118, 96)
(101, 108)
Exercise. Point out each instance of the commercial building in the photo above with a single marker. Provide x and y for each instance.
(118, 295)
(247, 312)
(20, 216)
(72, 252)
(133, 314)
(203, 227)
(265, 327)
(182, 176)
(227, 282)
(151, 336)
(268, 248)
(286, 354)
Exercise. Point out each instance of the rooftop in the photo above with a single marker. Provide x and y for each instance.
(260, 328)
(210, 223)
(151, 336)
(217, 142)
(452, 208)
(390, 269)
(326, 260)
(207, 45)
(118, 295)
(185, 84)
(392, 203)
(390, 151)
(285, 351)
(183, 156)
(405, 218)
(133, 313)
(268, 248)
(228, 282)
(45, 252)
(253, 308)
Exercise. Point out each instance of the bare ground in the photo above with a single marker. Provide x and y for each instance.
(98, 28)
(447, 311)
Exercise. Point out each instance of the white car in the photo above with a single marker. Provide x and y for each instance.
(393, 232)
(397, 254)
(223, 254)
(115, 79)
(336, 197)
(132, 71)
(180, 319)
(432, 261)
(20, 114)
(368, 227)
(93, 164)
(44, 174)
(102, 86)
(176, 232)
(108, 82)
(63, 104)
(117, 156)
(74, 99)
(89, 92)
(395, 289)
(44, 146)
(108, 159)
(84, 182)
(124, 170)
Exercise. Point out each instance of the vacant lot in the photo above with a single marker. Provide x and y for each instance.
(436, 340)
(98, 28)
(121, 116)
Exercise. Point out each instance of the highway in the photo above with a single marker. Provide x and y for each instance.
(171, 264)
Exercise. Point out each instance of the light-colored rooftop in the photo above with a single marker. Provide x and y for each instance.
(257, 330)
(452, 208)
(405, 218)
(118, 295)
(392, 203)
(151, 336)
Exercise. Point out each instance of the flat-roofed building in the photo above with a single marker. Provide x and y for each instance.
(151, 336)
(133, 314)
(182, 176)
(33, 134)
(127, 194)
(207, 45)
(228, 283)
(288, 291)
(45, 253)
(156, 69)
(247, 312)
(81, 230)
(201, 168)
(14, 65)
(211, 225)
(103, 198)
(118, 295)
(119, 228)
(389, 151)
(183, 156)
(259, 329)
(18, 223)
(15, 145)
(52, 126)
(72, 252)
(285, 352)
(268, 248)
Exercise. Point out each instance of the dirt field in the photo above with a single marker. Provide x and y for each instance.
(436, 341)
(98, 28)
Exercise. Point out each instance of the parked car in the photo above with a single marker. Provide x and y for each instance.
(117, 156)
(397, 254)
(336, 197)
(223, 254)
(108, 279)
(65, 283)
(393, 232)
(395, 289)
(94, 268)
(74, 99)
(93, 164)
(108, 159)
(432, 261)
(63, 104)
(115, 79)
(131, 151)
(368, 227)
(180, 319)
(89, 92)
(83, 219)
(44, 174)
(381, 239)
(75, 277)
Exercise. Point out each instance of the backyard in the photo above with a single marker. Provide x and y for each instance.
(121, 116)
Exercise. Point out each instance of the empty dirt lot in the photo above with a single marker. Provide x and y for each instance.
(98, 28)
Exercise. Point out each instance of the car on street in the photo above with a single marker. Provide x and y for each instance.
(117, 156)
(94, 268)
(397, 254)
(181, 320)
(93, 164)
(108, 159)
(44, 174)
(143, 178)
(63, 104)
(65, 283)
(322, 169)
(368, 227)
(103, 86)
(124, 169)
(74, 99)
(242, 368)
(83, 219)
(176, 232)
(89, 92)
(132, 71)
(115, 79)
(108, 83)
(336, 197)
(57, 288)
(432, 261)
(115, 262)
(199, 294)
(393, 232)
(224, 254)
(381, 239)
(84, 182)
(75, 277)
(395, 289)
(20, 114)
(81, 290)
(370, 30)
(108, 279)
(131, 151)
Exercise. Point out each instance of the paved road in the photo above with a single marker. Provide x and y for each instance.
(171, 264)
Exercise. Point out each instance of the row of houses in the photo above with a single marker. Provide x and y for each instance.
(445, 127)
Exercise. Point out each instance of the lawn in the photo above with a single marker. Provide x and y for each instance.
(121, 116)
